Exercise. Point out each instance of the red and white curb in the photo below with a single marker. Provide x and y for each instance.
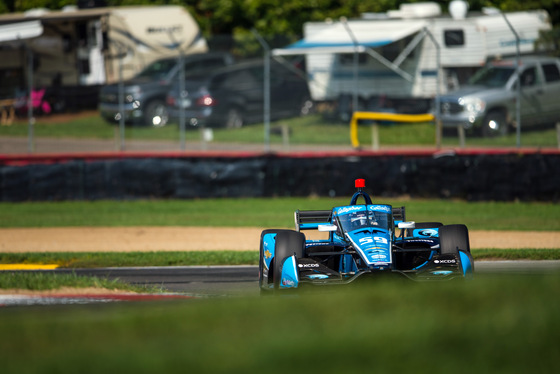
(70, 299)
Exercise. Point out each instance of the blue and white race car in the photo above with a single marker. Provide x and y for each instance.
(363, 240)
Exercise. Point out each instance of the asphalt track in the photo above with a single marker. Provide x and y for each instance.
(198, 281)
(227, 281)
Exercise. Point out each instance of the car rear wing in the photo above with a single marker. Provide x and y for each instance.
(311, 219)
(399, 215)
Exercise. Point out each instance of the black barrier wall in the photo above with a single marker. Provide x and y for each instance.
(502, 177)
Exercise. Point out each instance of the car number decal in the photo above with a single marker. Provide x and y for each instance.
(375, 239)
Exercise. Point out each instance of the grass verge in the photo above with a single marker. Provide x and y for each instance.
(312, 129)
(121, 259)
(269, 212)
(516, 254)
(43, 281)
(500, 324)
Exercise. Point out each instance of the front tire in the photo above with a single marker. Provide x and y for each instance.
(453, 238)
(262, 267)
(288, 243)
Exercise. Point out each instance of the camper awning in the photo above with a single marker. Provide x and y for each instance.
(20, 30)
(335, 38)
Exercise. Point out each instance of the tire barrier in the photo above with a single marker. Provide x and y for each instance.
(474, 176)
(505, 177)
(132, 179)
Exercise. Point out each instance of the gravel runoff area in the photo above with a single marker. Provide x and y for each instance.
(123, 239)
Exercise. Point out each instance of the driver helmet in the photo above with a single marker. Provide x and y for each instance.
(358, 219)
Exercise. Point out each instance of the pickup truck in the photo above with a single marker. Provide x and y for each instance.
(144, 95)
(487, 105)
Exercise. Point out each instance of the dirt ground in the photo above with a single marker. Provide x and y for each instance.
(101, 239)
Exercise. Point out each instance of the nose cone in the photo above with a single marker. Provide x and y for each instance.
(373, 246)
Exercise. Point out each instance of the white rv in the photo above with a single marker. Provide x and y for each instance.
(391, 60)
(80, 48)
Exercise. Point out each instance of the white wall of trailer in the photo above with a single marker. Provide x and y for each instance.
(145, 34)
(328, 47)
(499, 39)
(486, 37)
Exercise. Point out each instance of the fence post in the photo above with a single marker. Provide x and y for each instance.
(285, 136)
(461, 133)
(558, 134)
(117, 138)
(375, 136)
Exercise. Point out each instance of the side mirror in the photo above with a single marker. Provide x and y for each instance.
(406, 225)
(325, 228)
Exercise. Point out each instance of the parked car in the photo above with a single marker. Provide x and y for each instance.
(488, 102)
(144, 95)
(234, 96)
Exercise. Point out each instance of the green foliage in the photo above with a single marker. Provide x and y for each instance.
(23, 5)
(549, 41)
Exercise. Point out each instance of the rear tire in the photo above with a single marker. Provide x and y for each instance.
(453, 238)
(288, 243)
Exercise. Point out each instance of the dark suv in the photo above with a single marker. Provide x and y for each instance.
(234, 95)
(144, 95)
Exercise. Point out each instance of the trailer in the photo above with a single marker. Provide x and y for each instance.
(400, 60)
(79, 50)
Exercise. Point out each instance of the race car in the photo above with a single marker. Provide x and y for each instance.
(364, 240)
